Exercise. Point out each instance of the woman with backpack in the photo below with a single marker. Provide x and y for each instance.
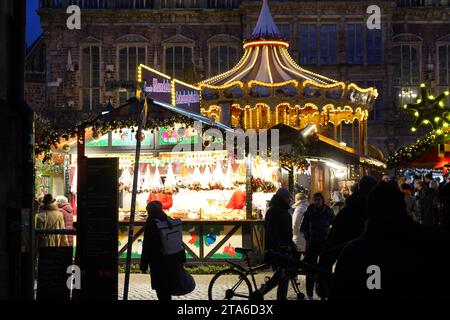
(164, 268)
(315, 226)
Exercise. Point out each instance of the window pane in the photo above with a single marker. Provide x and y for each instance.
(141, 56)
(123, 59)
(178, 62)
(132, 60)
(95, 67)
(308, 44)
(223, 59)
(169, 61)
(214, 61)
(86, 68)
(373, 46)
(95, 99)
(233, 56)
(86, 99)
(328, 44)
(444, 64)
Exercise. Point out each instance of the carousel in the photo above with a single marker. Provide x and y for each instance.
(267, 88)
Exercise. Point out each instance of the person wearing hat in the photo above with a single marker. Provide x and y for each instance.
(49, 218)
(163, 268)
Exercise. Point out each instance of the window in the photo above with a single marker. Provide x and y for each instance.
(308, 44)
(130, 58)
(284, 30)
(406, 64)
(221, 59)
(444, 64)
(178, 61)
(354, 44)
(373, 46)
(377, 109)
(90, 78)
(328, 44)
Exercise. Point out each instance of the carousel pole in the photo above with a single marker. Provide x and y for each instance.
(141, 121)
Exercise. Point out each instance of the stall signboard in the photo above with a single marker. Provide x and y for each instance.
(158, 85)
(187, 97)
(100, 142)
(98, 229)
(167, 137)
(127, 138)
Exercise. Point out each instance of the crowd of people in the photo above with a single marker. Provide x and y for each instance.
(401, 228)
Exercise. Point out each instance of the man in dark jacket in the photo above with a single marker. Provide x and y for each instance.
(278, 221)
(348, 225)
(164, 269)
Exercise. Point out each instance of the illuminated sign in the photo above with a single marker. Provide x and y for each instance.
(187, 97)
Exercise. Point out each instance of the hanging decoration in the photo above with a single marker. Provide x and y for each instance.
(430, 110)
(170, 177)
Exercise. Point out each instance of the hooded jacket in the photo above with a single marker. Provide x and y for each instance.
(67, 211)
(278, 225)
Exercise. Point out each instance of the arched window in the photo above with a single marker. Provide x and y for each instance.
(443, 49)
(90, 60)
(223, 53)
(178, 57)
(406, 57)
(131, 52)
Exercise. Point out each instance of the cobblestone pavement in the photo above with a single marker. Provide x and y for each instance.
(140, 288)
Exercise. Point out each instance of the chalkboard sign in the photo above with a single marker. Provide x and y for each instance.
(98, 229)
(52, 276)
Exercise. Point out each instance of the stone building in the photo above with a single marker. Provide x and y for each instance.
(196, 39)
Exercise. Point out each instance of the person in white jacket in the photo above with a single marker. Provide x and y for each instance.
(300, 206)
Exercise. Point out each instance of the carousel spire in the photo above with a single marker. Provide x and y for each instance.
(265, 27)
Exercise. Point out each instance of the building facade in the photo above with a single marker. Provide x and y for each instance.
(196, 39)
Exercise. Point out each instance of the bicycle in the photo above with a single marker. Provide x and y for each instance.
(234, 282)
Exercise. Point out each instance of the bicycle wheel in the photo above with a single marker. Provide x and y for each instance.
(293, 289)
(229, 284)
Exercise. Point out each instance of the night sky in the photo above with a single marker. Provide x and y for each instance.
(33, 25)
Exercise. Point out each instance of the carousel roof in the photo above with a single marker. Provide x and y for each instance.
(266, 59)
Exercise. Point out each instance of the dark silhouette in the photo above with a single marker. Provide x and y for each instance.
(278, 222)
(278, 232)
(348, 225)
(393, 242)
(315, 226)
(163, 268)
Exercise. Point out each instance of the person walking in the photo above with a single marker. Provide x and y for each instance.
(315, 226)
(278, 233)
(411, 203)
(50, 218)
(67, 211)
(300, 206)
(163, 268)
(428, 204)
